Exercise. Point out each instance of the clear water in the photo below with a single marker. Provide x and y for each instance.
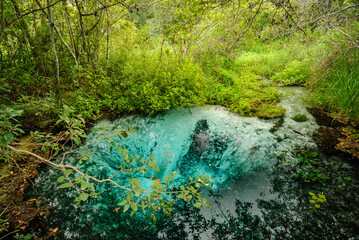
(252, 197)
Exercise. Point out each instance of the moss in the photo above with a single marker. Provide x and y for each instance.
(270, 111)
(300, 118)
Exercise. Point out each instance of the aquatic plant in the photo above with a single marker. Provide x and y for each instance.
(305, 167)
(316, 200)
(300, 118)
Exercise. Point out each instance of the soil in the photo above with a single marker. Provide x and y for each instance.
(16, 213)
(332, 137)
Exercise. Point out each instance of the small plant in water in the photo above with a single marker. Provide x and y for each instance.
(316, 200)
(305, 167)
(308, 172)
(300, 118)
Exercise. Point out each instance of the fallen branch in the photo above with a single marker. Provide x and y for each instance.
(63, 167)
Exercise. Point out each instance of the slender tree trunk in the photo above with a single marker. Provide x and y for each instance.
(51, 21)
(53, 43)
(24, 27)
(81, 27)
(70, 30)
(108, 35)
(2, 15)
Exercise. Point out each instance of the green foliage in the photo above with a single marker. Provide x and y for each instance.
(26, 237)
(295, 73)
(336, 86)
(316, 200)
(305, 167)
(40, 111)
(300, 118)
(9, 125)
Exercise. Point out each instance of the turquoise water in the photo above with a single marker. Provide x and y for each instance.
(253, 195)
(196, 141)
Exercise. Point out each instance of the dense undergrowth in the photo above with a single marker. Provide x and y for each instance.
(150, 81)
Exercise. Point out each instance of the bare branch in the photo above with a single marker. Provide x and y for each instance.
(63, 167)
(291, 18)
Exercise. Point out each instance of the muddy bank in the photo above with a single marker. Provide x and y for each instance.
(335, 137)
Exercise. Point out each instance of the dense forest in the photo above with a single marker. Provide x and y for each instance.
(67, 64)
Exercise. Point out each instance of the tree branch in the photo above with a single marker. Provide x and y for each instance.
(290, 16)
(249, 26)
(63, 167)
(32, 11)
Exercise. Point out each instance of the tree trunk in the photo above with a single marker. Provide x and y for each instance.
(2, 15)
(52, 38)
(70, 30)
(108, 35)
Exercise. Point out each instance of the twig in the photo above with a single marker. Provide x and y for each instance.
(32, 11)
(290, 16)
(249, 26)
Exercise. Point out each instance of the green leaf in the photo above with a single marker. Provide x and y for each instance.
(312, 201)
(65, 185)
(16, 113)
(124, 134)
(124, 202)
(77, 140)
(312, 194)
(137, 191)
(45, 148)
(134, 207)
(67, 172)
(120, 149)
(3, 142)
(126, 208)
(317, 205)
(197, 204)
(8, 136)
(86, 158)
(129, 196)
(84, 196)
(61, 179)
(84, 185)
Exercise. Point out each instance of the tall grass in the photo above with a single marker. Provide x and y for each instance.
(338, 87)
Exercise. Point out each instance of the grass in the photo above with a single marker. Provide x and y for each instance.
(336, 89)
